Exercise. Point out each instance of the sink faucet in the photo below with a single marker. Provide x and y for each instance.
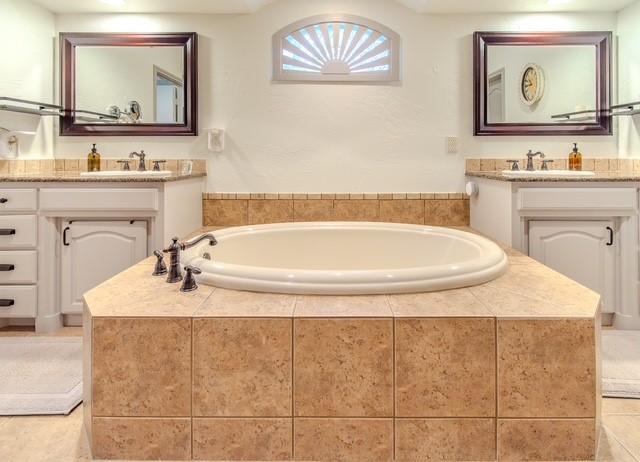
(530, 156)
(140, 155)
(174, 249)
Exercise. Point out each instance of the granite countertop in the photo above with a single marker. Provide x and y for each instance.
(529, 290)
(75, 177)
(602, 177)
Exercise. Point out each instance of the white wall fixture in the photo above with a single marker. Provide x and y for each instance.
(336, 48)
(9, 147)
(216, 140)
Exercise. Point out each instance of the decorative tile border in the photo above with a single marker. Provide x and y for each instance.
(237, 209)
(333, 196)
(51, 166)
(596, 165)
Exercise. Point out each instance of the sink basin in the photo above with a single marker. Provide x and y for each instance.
(546, 174)
(128, 174)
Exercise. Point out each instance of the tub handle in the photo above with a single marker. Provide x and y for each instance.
(189, 284)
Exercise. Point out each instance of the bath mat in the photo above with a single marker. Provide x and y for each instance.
(40, 375)
(621, 363)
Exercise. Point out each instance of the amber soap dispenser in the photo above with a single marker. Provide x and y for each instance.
(575, 158)
(93, 160)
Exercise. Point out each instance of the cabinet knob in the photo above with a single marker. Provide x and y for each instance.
(6, 302)
(7, 232)
(3, 200)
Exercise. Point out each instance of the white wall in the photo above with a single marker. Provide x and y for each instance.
(289, 137)
(27, 36)
(629, 77)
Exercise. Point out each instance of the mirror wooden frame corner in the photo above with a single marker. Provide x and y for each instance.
(602, 42)
(68, 44)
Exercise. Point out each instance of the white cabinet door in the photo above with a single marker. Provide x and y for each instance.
(581, 250)
(94, 251)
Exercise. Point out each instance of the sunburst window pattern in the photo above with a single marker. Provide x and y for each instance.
(339, 50)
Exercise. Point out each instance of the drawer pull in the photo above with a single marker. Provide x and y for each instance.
(3, 200)
(7, 232)
(7, 267)
(6, 302)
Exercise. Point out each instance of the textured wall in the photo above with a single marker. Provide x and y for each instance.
(26, 34)
(629, 78)
(329, 138)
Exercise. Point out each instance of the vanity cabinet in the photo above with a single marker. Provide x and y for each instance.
(94, 251)
(586, 230)
(58, 239)
(582, 250)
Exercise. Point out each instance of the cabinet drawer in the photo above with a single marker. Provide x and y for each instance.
(104, 199)
(18, 267)
(18, 301)
(18, 231)
(18, 200)
(614, 199)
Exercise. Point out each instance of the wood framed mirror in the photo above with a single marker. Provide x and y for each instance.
(542, 83)
(129, 84)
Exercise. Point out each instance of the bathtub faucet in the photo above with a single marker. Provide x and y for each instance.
(174, 249)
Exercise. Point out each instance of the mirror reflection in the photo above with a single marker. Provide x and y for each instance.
(531, 84)
(133, 84)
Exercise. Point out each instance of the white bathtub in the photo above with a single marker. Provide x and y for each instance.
(346, 258)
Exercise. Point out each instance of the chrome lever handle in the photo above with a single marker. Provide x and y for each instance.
(514, 165)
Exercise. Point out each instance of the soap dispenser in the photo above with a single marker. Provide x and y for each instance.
(93, 160)
(575, 158)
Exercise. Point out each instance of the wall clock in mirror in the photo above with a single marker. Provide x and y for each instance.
(531, 84)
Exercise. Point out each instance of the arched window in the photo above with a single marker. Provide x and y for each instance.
(336, 48)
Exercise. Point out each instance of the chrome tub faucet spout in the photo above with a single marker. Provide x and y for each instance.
(174, 249)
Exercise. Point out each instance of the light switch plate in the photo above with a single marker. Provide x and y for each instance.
(216, 140)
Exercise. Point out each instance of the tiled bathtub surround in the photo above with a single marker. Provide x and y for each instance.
(595, 165)
(49, 166)
(237, 209)
(496, 371)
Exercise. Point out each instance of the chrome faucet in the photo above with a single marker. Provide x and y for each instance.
(174, 249)
(530, 156)
(140, 155)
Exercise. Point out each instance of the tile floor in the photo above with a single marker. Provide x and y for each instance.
(61, 438)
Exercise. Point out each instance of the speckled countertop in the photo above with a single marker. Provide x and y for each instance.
(528, 290)
(602, 177)
(75, 177)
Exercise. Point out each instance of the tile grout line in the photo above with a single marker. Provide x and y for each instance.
(615, 437)
(293, 359)
(193, 375)
(394, 386)
(496, 396)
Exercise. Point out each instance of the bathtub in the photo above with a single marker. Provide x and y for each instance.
(346, 259)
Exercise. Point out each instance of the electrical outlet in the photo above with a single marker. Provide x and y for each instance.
(452, 144)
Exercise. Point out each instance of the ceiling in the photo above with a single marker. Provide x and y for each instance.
(249, 6)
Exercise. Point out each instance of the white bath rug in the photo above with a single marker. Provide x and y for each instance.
(621, 363)
(40, 375)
